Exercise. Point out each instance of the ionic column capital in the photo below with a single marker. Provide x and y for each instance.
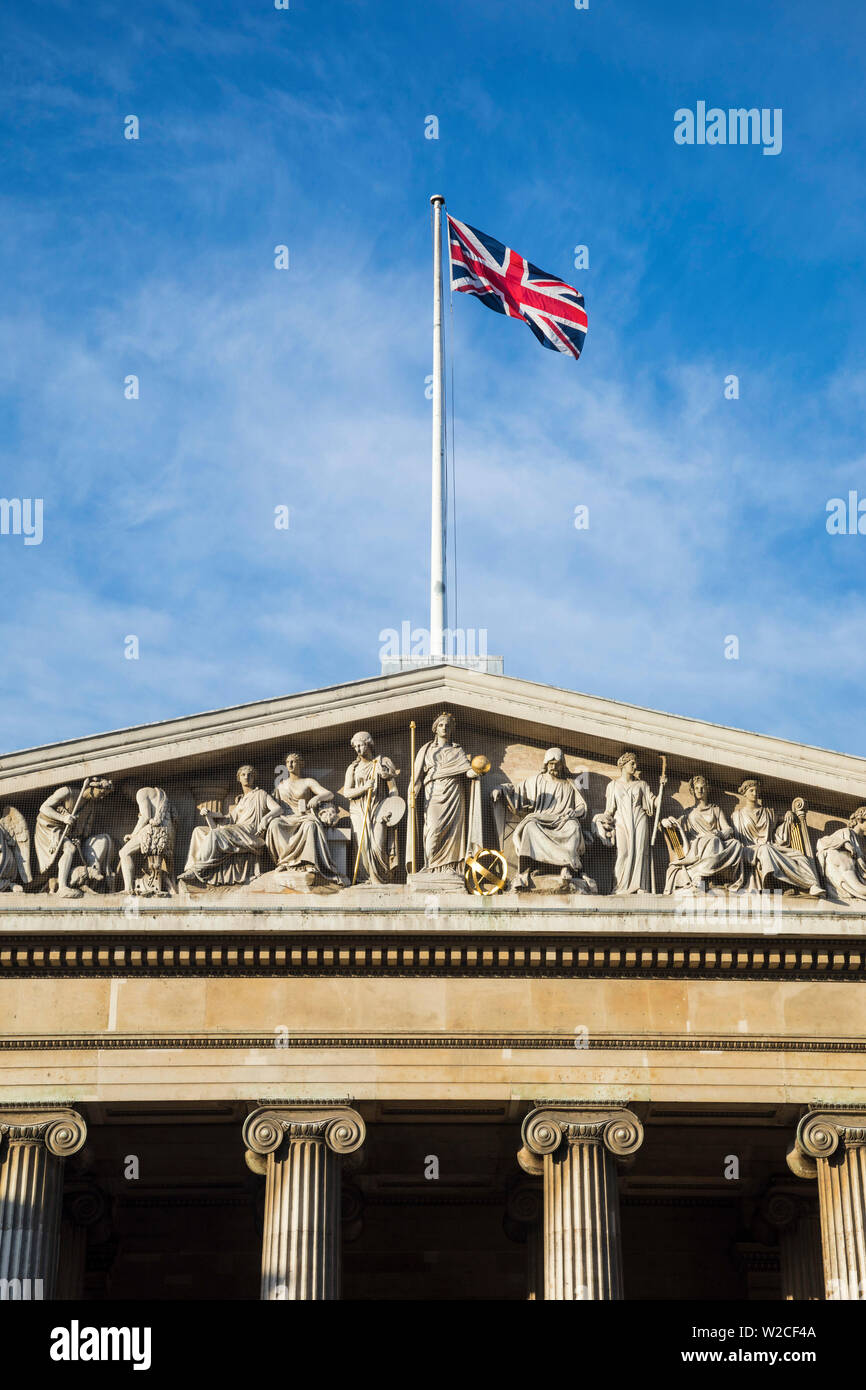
(339, 1127)
(524, 1203)
(62, 1131)
(782, 1209)
(821, 1134)
(831, 1145)
(548, 1127)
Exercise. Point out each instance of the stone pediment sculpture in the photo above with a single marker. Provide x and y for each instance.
(370, 787)
(703, 845)
(557, 797)
(296, 827)
(66, 840)
(15, 872)
(227, 849)
(778, 851)
(151, 844)
(445, 798)
(625, 825)
(842, 859)
(551, 831)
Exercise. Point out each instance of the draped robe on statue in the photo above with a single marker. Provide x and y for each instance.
(710, 850)
(631, 806)
(754, 826)
(229, 853)
(440, 771)
(298, 840)
(8, 860)
(551, 833)
(378, 840)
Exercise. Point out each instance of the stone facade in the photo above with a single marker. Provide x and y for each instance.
(302, 921)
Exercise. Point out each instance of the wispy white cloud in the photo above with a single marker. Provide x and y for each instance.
(307, 389)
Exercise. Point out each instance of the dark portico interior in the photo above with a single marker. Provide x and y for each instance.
(430, 1212)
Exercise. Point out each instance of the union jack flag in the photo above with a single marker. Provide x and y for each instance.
(511, 285)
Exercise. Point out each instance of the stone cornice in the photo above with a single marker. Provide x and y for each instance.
(398, 909)
(537, 708)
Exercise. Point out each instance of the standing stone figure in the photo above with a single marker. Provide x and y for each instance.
(369, 786)
(226, 850)
(711, 849)
(296, 829)
(841, 858)
(153, 839)
(763, 855)
(64, 838)
(551, 831)
(440, 774)
(626, 825)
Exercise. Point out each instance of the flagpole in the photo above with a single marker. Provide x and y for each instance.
(438, 597)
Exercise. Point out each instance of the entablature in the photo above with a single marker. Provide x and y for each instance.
(462, 938)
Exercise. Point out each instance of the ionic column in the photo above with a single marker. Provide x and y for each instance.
(83, 1208)
(576, 1151)
(831, 1145)
(524, 1222)
(797, 1222)
(33, 1144)
(299, 1149)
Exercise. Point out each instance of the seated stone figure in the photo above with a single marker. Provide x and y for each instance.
(842, 861)
(709, 847)
(65, 841)
(764, 856)
(551, 831)
(295, 829)
(227, 849)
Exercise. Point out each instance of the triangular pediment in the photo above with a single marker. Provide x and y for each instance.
(512, 722)
(519, 708)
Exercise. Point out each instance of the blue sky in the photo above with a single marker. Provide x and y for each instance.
(305, 387)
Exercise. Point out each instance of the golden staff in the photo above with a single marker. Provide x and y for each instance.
(367, 800)
(412, 789)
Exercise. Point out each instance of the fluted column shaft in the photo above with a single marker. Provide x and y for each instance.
(524, 1222)
(797, 1221)
(535, 1261)
(83, 1208)
(299, 1150)
(576, 1151)
(832, 1147)
(800, 1249)
(33, 1145)
(71, 1262)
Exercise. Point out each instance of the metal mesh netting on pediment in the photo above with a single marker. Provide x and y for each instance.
(327, 771)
